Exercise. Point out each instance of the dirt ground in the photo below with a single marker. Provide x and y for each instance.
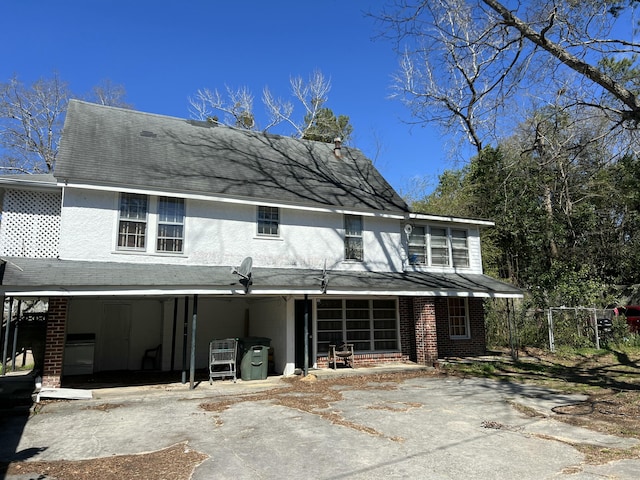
(611, 381)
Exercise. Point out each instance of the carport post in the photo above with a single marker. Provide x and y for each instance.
(7, 331)
(185, 337)
(192, 367)
(173, 333)
(306, 334)
(15, 338)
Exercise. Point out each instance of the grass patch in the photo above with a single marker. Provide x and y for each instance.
(610, 378)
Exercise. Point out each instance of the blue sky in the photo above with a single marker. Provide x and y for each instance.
(163, 51)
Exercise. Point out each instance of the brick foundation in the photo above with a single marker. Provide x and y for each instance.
(368, 359)
(54, 344)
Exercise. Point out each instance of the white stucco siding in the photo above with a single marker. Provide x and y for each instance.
(220, 233)
(88, 224)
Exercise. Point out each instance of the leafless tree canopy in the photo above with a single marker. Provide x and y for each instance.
(31, 120)
(30, 124)
(476, 63)
(237, 109)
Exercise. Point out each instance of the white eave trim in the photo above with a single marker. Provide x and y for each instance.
(254, 292)
(235, 200)
(449, 219)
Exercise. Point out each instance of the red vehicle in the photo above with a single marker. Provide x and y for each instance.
(632, 312)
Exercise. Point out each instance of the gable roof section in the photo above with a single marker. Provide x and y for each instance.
(42, 277)
(120, 148)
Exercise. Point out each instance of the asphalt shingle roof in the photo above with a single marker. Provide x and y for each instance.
(125, 148)
(26, 274)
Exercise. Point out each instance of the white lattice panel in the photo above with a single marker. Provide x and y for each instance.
(30, 224)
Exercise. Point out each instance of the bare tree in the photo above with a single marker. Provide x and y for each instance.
(109, 93)
(31, 120)
(237, 105)
(32, 117)
(472, 63)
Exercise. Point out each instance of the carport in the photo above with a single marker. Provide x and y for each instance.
(119, 294)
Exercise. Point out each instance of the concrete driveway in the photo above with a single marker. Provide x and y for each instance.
(423, 428)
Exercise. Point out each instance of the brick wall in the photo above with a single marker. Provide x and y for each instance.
(54, 344)
(476, 345)
(424, 313)
(407, 328)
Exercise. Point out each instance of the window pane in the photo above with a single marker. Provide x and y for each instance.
(352, 320)
(439, 246)
(132, 227)
(417, 246)
(170, 225)
(459, 248)
(268, 221)
(133, 206)
(458, 326)
(353, 246)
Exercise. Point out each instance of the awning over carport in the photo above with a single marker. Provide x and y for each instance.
(54, 277)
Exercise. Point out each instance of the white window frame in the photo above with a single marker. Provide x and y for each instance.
(176, 222)
(414, 246)
(447, 246)
(265, 221)
(454, 304)
(341, 316)
(130, 220)
(418, 245)
(351, 235)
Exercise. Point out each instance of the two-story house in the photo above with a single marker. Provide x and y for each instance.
(135, 236)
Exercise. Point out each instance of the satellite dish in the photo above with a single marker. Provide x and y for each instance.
(244, 272)
(408, 229)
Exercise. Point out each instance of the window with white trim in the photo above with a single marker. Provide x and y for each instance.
(458, 318)
(371, 325)
(170, 225)
(438, 246)
(132, 224)
(418, 246)
(353, 246)
(268, 221)
(459, 248)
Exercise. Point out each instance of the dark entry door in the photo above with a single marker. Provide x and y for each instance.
(300, 309)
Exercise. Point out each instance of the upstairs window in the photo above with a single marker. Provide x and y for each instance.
(268, 221)
(418, 246)
(459, 248)
(170, 225)
(441, 246)
(353, 248)
(132, 225)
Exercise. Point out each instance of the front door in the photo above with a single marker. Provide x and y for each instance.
(300, 315)
(114, 337)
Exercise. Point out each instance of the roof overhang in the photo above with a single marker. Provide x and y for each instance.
(449, 219)
(27, 277)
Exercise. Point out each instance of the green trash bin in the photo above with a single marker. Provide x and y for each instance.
(255, 363)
